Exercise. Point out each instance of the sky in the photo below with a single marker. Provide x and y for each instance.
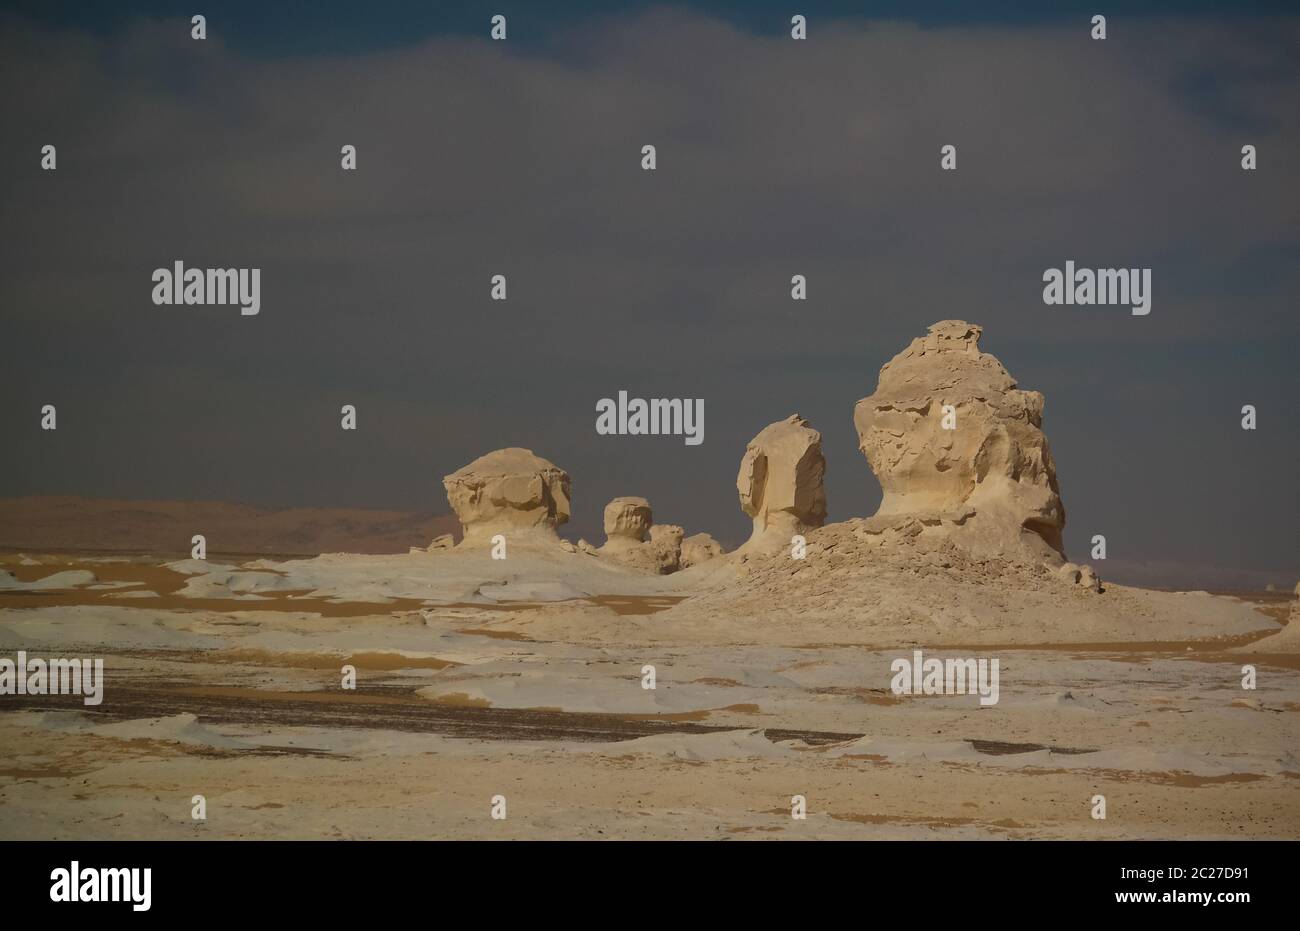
(775, 157)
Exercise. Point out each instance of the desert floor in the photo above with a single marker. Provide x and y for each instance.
(224, 680)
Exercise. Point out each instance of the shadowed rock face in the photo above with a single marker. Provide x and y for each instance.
(990, 479)
(781, 482)
(509, 491)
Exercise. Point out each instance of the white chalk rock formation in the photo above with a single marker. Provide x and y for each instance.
(627, 529)
(666, 543)
(1083, 576)
(511, 492)
(628, 520)
(781, 483)
(698, 548)
(634, 539)
(955, 444)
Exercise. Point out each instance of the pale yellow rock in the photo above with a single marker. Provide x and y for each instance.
(635, 540)
(628, 523)
(666, 543)
(509, 491)
(781, 483)
(628, 518)
(699, 548)
(995, 459)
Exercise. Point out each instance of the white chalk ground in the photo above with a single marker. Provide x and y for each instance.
(461, 575)
(1172, 740)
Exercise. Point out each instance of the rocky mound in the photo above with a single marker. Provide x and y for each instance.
(888, 584)
(966, 546)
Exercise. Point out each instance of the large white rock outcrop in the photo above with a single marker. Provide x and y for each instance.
(960, 449)
(509, 491)
(781, 483)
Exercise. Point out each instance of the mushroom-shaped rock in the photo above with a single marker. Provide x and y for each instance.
(628, 519)
(509, 491)
(628, 523)
(947, 432)
(781, 483)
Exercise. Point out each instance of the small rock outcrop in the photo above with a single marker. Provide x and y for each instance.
(444, 542)
(699, 548)
(509, 491)
(781, 483)
(956, 444)
(1084, 576)
(628, 525)
(666, 543)
(634, 539)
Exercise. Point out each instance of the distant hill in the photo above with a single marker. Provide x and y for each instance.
(106, 525)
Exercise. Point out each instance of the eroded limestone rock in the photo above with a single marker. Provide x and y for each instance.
(509, 491)
(947, 431)
(781, 483)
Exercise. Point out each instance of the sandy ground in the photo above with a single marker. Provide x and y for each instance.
(524, 680)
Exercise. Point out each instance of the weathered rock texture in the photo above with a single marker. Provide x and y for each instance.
(990, 482)
(781, 483)
(628, 519)
(634, 539)
(666, 542)
(698, 548)
(628, 523)
(509, 491)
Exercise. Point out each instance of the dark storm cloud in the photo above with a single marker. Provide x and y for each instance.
(775, 158)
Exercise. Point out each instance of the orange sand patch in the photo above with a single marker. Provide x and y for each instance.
(636, 604)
